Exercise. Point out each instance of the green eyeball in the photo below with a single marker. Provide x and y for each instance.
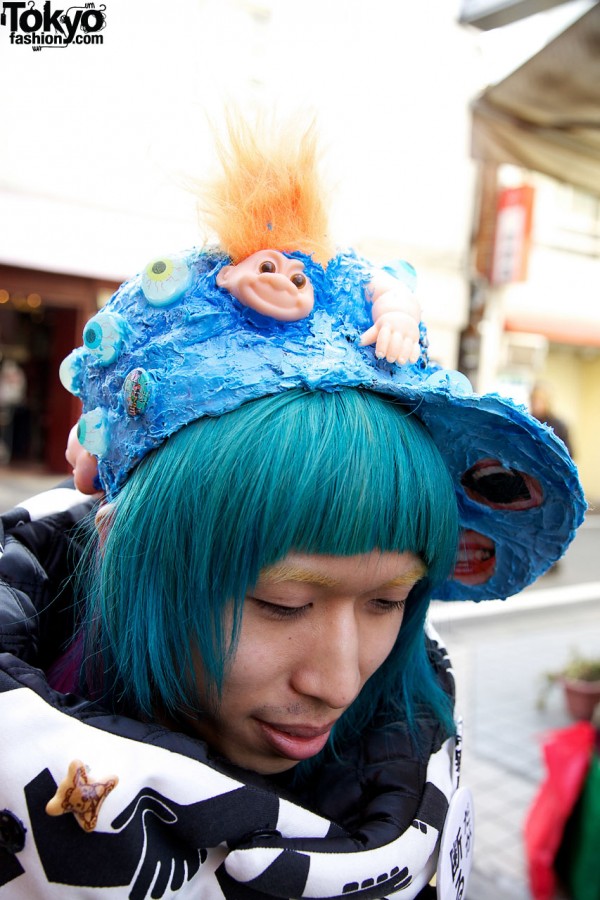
(164, 280)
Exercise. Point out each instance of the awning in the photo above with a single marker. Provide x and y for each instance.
(545, 116)
(560, 331)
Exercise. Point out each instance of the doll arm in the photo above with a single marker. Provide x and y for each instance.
(396, 316)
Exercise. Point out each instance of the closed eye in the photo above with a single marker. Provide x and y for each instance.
(387, 606)
(280, 611)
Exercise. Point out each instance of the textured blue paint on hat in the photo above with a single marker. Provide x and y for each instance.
(171, 346)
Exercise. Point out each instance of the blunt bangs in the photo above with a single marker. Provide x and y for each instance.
(336, 473)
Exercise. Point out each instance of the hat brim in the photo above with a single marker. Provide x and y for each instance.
(507, 541)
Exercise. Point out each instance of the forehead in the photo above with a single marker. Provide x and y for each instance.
(281, 260)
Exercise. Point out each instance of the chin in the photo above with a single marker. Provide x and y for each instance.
(264, 766)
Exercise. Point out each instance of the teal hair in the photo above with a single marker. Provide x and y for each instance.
(336, 473)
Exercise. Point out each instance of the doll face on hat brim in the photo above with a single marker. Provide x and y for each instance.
(497, 487)
(518, 494)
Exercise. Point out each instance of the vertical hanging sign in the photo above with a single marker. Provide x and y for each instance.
(513, 235)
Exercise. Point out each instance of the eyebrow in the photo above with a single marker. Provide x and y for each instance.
(414, 574)
(281, 572)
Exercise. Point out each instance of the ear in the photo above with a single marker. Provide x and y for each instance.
(103, 521)
(223, 275)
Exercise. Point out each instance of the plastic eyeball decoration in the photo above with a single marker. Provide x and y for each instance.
(70, 372)
(104, 335)
(136, 391)
(452, 381)
(92, 432)
(164, 280)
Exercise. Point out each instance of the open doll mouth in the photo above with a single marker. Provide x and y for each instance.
(492, 484)
(476, 560)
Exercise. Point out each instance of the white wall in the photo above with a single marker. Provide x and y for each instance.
(100, 142)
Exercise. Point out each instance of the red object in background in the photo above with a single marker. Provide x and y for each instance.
(62, 409)
(567, 753)
(581, 697)
(512, 237)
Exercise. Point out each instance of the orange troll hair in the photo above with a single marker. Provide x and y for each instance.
(269, 195)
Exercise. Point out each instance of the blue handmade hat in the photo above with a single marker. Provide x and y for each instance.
(275, 307)
(172, 346)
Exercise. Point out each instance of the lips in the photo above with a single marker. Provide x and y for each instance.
(276, 296)
(295, 741)
(476, 559)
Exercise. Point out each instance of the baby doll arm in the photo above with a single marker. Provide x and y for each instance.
(396, 316)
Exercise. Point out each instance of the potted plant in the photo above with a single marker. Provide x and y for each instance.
(580, 680)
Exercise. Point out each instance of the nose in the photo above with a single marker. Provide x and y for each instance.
(277, 281)
(328, 664)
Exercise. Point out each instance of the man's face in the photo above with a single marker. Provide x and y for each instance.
(314, 629)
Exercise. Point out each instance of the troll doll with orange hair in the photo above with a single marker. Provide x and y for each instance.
(267, 207)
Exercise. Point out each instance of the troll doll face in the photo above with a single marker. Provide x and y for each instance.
(270, 283)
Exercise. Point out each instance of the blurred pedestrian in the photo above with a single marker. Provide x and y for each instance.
(540, 404)
(13, 388)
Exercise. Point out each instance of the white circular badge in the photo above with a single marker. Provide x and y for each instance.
(456, 848)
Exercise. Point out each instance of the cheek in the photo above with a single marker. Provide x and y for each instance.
(257, 661)
(379, 646)
(306, 297)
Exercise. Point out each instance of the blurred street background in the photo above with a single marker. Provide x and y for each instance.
(462, 135)
(502, 652)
